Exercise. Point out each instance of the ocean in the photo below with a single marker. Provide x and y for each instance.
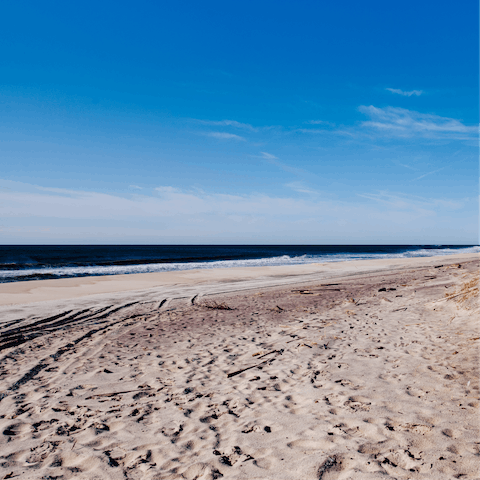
(39, 262)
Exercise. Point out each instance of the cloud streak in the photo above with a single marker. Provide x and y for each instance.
(400, 122)
(405, 93)
(30, 200)
(273, 160)
(317, 131)
(172, 215)
(318, 122)
(300, 187)
(415, 203)
(225, 136)
(429, 173)
(268, 156)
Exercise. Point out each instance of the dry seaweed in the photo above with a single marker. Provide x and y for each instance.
(215, 306)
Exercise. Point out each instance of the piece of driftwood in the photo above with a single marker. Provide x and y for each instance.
(295, 339)
(398, 309)
(273, 351)
(238, 372)
(113, 394)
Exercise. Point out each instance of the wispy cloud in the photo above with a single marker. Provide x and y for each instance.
(401, 122)
(327, 131)
(135, 187)
(225, 136)
(318, 122)
(174, 214)
(406, 166)
(272, 159)
(301, 187)
(167, 190)
(405, 93)
(228, 123)
(430, 173)
(268, 156)
(422, 205)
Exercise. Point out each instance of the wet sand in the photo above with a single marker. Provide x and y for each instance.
(358, 370)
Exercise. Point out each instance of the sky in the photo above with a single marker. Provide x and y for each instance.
(253, 122)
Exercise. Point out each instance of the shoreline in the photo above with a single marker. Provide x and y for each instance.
(51, 290)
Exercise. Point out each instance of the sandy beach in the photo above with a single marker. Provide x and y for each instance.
(352, 370)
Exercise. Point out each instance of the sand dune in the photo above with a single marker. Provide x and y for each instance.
(347, 371)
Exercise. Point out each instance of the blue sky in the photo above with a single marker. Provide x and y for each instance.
(239, 122)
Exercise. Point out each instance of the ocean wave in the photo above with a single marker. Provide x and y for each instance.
(10, 275)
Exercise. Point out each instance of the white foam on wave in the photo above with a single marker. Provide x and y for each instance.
(9, 275)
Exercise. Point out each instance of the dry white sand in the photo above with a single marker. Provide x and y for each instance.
(128, 377)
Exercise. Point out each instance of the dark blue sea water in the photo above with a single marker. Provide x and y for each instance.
(37, 262)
